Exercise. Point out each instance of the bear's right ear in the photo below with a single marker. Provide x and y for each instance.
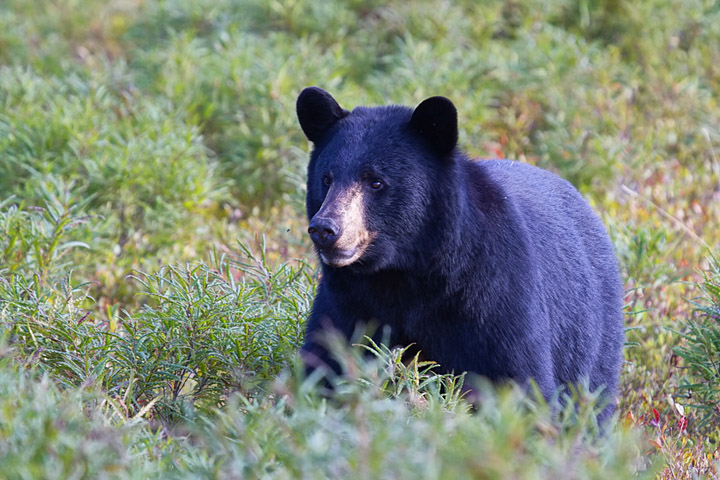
(435, 119)
(317, 111)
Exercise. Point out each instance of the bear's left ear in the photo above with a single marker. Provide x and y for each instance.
(435, 119)
(317, 112)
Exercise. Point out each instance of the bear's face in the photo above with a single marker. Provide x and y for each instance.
(370, 176)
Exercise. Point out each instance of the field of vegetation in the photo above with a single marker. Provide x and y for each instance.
(155, 276)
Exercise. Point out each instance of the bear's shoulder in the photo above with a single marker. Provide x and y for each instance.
(522, 182)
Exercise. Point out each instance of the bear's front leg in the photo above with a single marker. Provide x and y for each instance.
(326, 323)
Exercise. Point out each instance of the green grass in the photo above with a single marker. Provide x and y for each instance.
(701, 352)
(52, 433)
(154, 275)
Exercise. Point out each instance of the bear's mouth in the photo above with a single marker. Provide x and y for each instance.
(347, 250)
(342, 257)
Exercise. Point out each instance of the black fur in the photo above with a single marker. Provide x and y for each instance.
(435, 119)
(493, 267)
(317, 111)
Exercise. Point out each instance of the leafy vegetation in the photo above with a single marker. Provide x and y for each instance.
(701, 352)
(154, 276)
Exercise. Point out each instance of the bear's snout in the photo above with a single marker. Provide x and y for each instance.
(338, 229)
(324, 232)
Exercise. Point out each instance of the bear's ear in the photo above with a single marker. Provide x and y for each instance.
(317, 111)
(435, 119)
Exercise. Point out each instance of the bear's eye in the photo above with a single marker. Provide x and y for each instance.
(326, 180)
(376, 184)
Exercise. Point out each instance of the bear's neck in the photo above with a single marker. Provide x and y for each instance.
(472, 220)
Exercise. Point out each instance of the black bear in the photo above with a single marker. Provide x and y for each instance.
(493, 266)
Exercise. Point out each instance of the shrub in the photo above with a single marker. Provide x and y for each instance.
(701, 352)
(204, 330)
(421, 431)
(50, 433)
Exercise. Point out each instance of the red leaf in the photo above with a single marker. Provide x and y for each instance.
(682, 423)
(657, 415)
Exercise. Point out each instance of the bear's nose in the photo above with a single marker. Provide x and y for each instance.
(324, 232)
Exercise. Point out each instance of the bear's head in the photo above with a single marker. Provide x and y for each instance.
(375, 177)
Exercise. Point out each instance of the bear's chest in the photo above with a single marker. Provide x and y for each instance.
(415, 309)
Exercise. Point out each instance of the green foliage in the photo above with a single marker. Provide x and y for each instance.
(419, 434)
(639, 247)
(210, 333)
(36, 241)
(137, 137)
(130, 158)
(701, 352)
(421, 431)
(52, 434)
(204, 330)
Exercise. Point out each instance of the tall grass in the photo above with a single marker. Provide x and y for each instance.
(701, 352)
(203, 330)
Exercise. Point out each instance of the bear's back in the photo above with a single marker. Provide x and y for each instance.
(575, 260)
